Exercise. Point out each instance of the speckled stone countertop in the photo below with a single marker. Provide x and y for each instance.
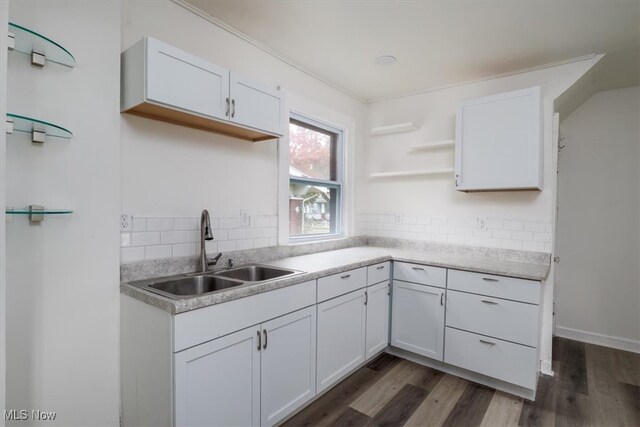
(336, 261)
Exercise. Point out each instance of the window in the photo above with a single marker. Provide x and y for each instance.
(315, 179)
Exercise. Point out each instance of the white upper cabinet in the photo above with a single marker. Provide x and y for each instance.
(255, 104)
(162, 82)
(499, 142)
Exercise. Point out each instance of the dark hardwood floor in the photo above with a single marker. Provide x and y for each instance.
(592, 386)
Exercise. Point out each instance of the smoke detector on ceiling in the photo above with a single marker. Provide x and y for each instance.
(385, 60)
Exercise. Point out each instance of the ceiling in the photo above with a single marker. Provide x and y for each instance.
(437, 43)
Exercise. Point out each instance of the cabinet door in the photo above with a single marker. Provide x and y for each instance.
(417, 323)
(218, 383)
(499, 143)
(288, 364)
(256, 105)
(377, 334)
(180, 80)
(341, 337)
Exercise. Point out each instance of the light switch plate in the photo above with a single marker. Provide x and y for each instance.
(244, 218)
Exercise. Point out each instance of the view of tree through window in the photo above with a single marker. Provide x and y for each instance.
(310, 151)
(314, 190)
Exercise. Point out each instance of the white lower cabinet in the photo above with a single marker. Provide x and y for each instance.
(255, 376)
(417, 323)
(218, 383)
(341, 337)
(287, 365)
(377, 331)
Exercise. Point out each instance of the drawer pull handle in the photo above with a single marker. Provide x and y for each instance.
(259, 340)
(266, 338)
(442, 299)
(346, 276)
(487, 342)
(366, 297)
(380, 268)
(486, 301)
(489, 279)
(418, 268)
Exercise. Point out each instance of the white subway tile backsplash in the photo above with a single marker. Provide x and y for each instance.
(227, 245)
(186, 224)
(157, 252)
(159, 224)
(513, 225)
(185, 249)
(522, 235)
(237, 234)
(132, 254)
(139, 224)
(169, 237)
(145, 238)
(165, 237)
(539, 227)
(495, 232)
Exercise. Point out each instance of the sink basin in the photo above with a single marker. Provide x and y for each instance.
(195, 284)
(256, 273)
(187, 287)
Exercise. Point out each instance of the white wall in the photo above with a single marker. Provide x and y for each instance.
(62, 275)
(168, 170)
(433, 197)
(598, 282)
(4, 15)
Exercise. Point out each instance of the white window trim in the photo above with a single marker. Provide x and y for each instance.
(340, 179)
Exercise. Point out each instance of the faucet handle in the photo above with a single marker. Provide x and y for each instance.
(214, 260)
(231, 263)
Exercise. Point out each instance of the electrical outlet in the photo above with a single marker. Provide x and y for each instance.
(125, 222)
(398, 219)
(244, 218)
(482, 224)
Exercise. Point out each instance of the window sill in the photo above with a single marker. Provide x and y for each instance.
(296, 241)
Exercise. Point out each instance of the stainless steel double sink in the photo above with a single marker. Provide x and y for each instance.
(194, 284)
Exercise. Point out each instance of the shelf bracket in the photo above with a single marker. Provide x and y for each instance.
(11, 42)
(9, 125)
(38, 135)
(36, 214)
(38, 57)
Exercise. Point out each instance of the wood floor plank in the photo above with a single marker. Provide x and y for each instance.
(398, 410)
(427, 379)
(351, 417)
(376, 397)
(504, 410)
(329, 407)
(471, 407)
(572, 409)
(541, 412)
(573, 360)
(435, 409)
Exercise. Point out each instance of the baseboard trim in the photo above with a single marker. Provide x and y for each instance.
(599, 339)
(546, 368)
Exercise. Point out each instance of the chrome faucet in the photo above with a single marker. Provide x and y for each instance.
(206, 234)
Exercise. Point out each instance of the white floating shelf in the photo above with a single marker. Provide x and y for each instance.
(398, 174)
(399, 128)
(432, 145)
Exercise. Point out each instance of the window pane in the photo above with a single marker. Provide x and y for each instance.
(312, 209)
(311, 152)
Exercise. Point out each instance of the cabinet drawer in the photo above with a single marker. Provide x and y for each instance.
(507, 320)
(378, 273)
(341, 283)
(492, 357)
(417, 273)
(496, 286)
(198, 326)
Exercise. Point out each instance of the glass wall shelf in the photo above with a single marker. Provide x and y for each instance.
(36, 212)
(18, 123)
(39, 47)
